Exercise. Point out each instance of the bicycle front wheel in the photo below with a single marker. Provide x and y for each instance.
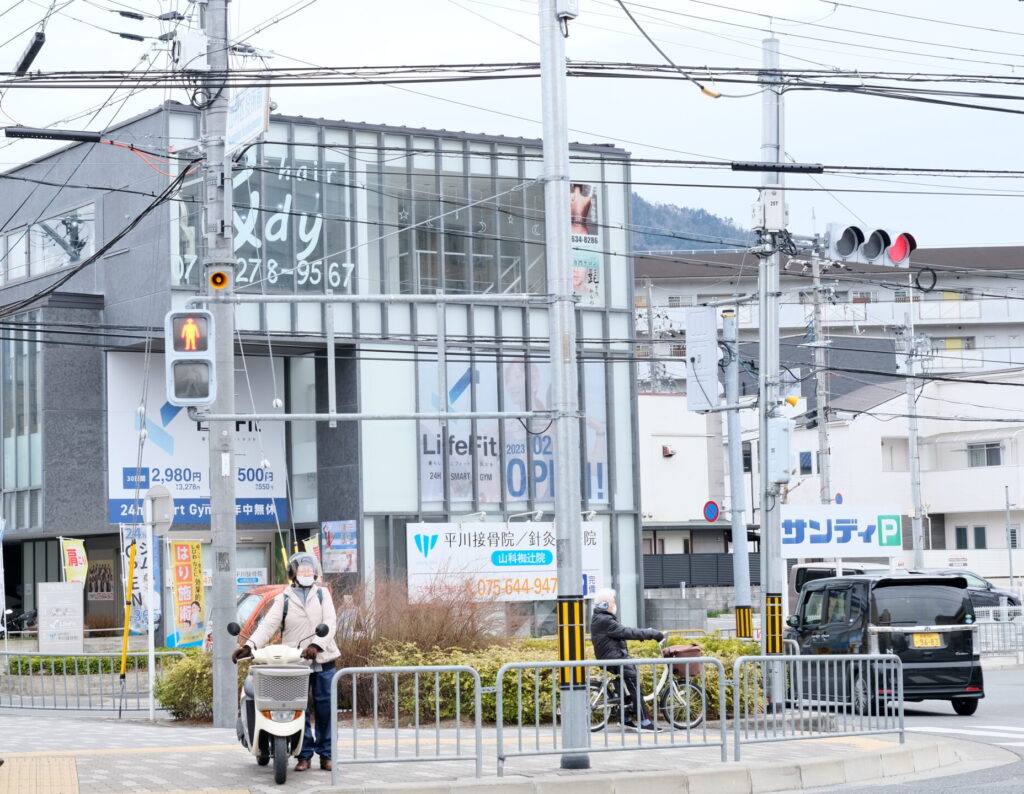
(683, 703)
(600, 705)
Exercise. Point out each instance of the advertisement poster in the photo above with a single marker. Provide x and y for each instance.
(99, 584)
(586, 243)
(147, 567)
(76, 564)
(176, 453)
(187, 581)
(61, 617)
(841, 531)
(340, 546)
(512, 561)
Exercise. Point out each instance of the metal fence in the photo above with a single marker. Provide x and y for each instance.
(999, 614)
(424, 713)
(780, 698)
(86, 682)
(529, 702)
(999, 638)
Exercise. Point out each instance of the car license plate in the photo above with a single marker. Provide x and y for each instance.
(930, 640)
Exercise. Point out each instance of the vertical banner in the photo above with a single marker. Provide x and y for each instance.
(585, 243)
(341, 546)
(187, 579)
(147, 562)
(76, 564)
(312, 545)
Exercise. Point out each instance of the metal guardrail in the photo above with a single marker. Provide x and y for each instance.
(408, 692)
(1001, 614)
(78, 682)
(529, 692)
(821, 696)
(1001, 638)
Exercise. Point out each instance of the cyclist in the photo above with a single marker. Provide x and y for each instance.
(609, 638)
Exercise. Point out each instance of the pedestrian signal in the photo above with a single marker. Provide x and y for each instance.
(189, 356)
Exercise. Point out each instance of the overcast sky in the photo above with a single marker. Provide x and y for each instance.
(650, 118)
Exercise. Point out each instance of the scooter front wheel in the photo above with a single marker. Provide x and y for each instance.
(280, 759)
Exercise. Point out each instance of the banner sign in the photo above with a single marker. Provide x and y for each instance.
(340, 546)
(312, 545)
(147, 562)
(187, 583)
(585, 242)
(176, 453)
(840, 531)
(497, 561)
(76, 564)
(61, 617)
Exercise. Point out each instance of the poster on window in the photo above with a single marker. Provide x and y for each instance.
(99, 584)
(187, 580)
(340, 546)
(176, 451)
(585, 243)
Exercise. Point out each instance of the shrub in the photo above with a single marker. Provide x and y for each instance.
(76, 665)
(185, 687)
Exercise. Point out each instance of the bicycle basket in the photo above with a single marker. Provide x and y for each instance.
(693, 669)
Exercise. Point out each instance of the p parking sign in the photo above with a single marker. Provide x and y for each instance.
(890, 531)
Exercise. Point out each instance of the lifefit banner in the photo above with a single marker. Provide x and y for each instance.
(340, 546)
(76, 564)
(147, 566)
(187, 581)
(176, 453)
(499, 561)
(841, 531)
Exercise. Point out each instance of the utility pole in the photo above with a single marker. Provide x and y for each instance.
(820, 388)
(650, 336)
(771, 222)
(564, 384)
(1009, 536)
(219, 258)
(740, 558)
(912, 344)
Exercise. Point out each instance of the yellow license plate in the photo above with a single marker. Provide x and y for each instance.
(930, 640)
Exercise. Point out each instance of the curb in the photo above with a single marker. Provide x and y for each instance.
(732, 778)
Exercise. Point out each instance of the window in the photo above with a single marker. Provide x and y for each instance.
(941, 344)
(748, 456)
(805, 463)
(984, 454)
(862, 296)
(975, 581)
(1014, 536)
(677, 351)
(640, 301)
(62, 240)
(675, 301)
(979, 538)
(839, 605)
(812, 607)
(961, 537)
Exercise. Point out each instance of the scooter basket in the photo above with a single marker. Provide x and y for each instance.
(281, 688)
(693, 669)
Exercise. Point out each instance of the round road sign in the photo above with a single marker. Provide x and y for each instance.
(711, 511)
(839, 498)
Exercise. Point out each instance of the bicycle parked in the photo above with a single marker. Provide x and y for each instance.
(677, 691)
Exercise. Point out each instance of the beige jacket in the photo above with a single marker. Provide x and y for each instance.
(300, 623)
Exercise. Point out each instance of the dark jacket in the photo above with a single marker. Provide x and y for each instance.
(609, 636)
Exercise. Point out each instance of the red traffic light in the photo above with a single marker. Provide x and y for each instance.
(190, 333)
(901, 248)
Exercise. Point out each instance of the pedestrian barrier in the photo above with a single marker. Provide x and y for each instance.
(780, 698)
(85, 682)
(415, 713)
(1000, 638)
(531, 702)
(998, 614)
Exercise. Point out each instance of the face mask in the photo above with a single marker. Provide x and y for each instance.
(305, 581)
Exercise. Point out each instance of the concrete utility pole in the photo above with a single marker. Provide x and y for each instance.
(740, 557)
(772, 222)
(651, 366)
(820, 387)
(219, 258)
(917, 534)
(564, 384)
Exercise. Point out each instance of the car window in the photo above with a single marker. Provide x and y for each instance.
(838, 605)
(975, 581)
(246, 606)
(812, 607)
(919, 605)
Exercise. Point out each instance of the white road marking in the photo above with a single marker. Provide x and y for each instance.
(1014, 733)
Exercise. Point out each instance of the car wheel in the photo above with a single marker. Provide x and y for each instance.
(965, 707)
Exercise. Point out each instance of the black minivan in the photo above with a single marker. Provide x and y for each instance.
(925, 620)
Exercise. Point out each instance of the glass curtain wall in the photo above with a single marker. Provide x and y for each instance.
(20, 402)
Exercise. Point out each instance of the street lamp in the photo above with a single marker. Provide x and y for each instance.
(52, 135)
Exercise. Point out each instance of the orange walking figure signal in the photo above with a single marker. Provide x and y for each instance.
(190, 334)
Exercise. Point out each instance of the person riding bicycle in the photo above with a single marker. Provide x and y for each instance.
(296, 613)
(609, 637)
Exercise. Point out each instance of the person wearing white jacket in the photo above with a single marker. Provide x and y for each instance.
(296, 613)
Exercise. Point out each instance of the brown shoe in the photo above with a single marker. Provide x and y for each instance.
(302, 765)
(325, 763)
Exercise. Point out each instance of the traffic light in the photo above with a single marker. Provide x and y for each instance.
(876, 247)
(189, 355)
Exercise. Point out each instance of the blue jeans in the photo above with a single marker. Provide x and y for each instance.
(320, 717)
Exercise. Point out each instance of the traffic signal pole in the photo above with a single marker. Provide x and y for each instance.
(219, 258)
(564, 386)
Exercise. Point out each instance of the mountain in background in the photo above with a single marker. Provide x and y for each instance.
(692, 228)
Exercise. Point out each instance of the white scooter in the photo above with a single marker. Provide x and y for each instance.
(272, 703)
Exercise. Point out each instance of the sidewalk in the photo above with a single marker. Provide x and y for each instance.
(48, 753)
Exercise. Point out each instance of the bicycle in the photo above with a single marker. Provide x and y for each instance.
(681, 699)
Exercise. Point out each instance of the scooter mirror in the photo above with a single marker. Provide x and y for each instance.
(234, 629)
(322, 630)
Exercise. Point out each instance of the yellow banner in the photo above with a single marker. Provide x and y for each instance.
(313, 545)
(76, 564)
(189, 612)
